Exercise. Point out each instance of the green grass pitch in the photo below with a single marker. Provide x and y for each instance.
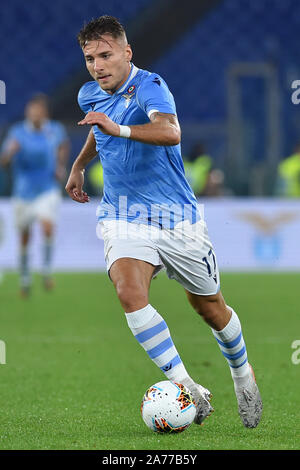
(74, 375)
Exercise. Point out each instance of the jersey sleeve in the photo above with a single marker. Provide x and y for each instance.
(154, 96)
(85, 96)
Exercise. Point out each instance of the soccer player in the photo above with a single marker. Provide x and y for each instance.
(148, 215)
(38, 150)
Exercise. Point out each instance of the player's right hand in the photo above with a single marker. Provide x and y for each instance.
(13, 147)
(74, 186)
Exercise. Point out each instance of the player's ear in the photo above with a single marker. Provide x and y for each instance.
(128, 53)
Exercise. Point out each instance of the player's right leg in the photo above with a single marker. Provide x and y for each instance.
(47, 229)
(131, 278)
(23, 214)
(25, 276)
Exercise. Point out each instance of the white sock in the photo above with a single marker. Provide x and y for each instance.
(25, 277)
(233, 348)
(153, 334)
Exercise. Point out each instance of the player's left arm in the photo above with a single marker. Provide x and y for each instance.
(163, 128)
(63, 153)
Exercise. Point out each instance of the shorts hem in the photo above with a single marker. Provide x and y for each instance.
(204, 295)
(158, 267)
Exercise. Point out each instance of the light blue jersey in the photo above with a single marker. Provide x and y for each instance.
(35, 163)
(143, 183)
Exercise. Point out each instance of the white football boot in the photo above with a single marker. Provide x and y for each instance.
(202, 397)
(249, 401)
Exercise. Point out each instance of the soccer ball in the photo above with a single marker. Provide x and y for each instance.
(168, 407)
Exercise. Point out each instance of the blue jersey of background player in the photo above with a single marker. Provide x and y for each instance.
(151, 177)
(35, 162)
(37, 149)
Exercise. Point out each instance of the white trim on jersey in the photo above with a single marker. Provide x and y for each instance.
(133, 72)
(152, 111)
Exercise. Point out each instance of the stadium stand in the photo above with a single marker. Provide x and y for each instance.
(197, 67)
(197, 54)
(40, 44)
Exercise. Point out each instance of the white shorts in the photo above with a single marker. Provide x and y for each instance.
(185, 252)
(43, 207)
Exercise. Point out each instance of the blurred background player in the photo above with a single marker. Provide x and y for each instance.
(37, 149)
(200, 171)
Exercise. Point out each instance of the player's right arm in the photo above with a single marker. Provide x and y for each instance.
(11, 148)
(76, 179)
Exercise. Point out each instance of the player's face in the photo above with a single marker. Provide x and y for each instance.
(36, 113)
(108, 61)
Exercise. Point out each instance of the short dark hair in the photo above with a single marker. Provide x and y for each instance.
(97, 27)
(39, 98)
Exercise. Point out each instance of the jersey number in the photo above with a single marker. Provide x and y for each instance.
(210, 261)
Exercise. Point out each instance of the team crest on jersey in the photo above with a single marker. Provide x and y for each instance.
(129, 95)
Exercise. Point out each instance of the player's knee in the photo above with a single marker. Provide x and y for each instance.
(132, 296)
(47, 228)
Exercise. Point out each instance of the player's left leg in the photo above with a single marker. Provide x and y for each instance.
(47, 229)
(195, 267)
(46, 211)
(226, 328)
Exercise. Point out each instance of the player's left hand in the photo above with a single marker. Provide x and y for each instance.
(105, 124)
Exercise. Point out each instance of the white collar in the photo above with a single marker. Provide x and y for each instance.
(31, 127)
(134, 70)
